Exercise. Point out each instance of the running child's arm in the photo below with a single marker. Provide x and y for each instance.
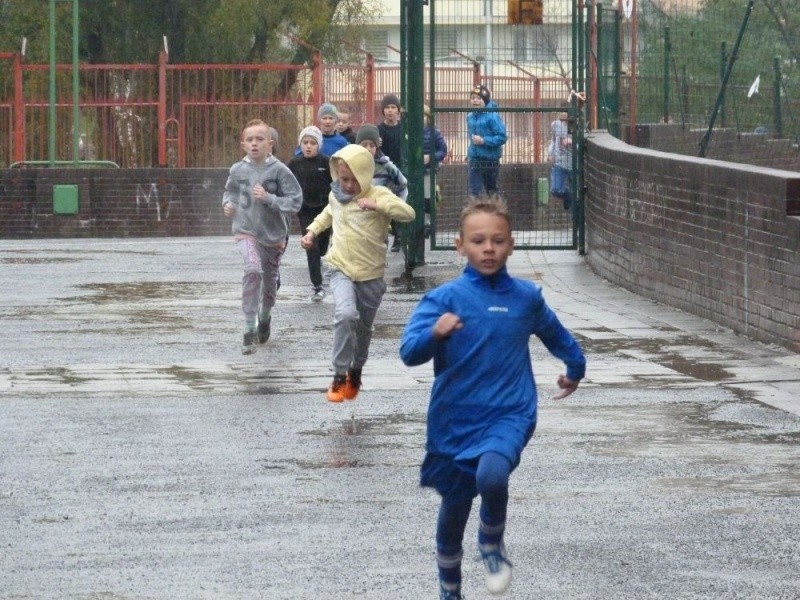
(567, 386)
(230, 195)
(394, 208)
(428, 326)
(288, 195)
(445, 325)
(561, 344)
(323, 221)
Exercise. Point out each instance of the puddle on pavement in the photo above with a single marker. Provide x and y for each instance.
(668, 353)
(415, 285)
(352, 440)
(39, 260)
(103, 293)
(392, 424)
(782, 485)
(56, 375)
(388, 331)
(685, 426)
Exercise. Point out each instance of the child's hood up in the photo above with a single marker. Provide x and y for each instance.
(361, 163)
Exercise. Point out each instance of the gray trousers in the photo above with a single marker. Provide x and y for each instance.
(355, 306)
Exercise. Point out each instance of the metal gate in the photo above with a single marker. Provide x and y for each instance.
(533, 65)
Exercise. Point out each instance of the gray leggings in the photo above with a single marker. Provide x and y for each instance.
(259, 284)
(355, 306)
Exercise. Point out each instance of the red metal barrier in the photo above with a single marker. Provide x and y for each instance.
(189, 115)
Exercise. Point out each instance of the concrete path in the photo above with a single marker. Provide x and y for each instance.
(142, 456)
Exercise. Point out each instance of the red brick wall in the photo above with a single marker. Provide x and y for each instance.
(177, 202)
(716, 239)
(114, 202)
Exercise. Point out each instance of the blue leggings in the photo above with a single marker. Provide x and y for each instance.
(492, 482)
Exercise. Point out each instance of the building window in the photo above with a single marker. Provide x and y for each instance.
(446, 38)
(376, 43)
(531, 45)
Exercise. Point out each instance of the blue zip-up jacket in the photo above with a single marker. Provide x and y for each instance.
(434, 144)
(484, 394)
(491, 128)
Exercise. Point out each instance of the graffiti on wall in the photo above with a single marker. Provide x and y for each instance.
(195, 201)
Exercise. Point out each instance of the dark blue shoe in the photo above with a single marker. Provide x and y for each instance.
(264, 330)
(445, 594)
(249, 342)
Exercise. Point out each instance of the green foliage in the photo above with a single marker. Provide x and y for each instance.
(198, 31)
(701, 36)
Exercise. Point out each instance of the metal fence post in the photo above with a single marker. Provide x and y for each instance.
(162, 109)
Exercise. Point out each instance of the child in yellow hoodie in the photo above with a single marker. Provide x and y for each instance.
(359, 213)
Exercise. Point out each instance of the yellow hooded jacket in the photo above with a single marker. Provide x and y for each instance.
(358, 242)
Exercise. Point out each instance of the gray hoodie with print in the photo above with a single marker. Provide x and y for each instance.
(267, 222)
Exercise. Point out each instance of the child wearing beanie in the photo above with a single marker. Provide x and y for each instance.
(391, 132)
(332, 140)
(486, 135)
(386, 172)
(312, 170)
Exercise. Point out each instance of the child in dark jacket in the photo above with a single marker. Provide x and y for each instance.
(312, 170)
(434, 151)
(386, 173)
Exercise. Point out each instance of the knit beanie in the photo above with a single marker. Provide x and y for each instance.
(369, 132)
(483, 92)
(312, 132)
(328, 110)
(389, 99)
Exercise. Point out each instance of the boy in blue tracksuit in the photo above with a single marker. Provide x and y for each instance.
(487, 136)
(483, 404)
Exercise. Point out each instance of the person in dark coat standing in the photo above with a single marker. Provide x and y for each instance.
(391, 130)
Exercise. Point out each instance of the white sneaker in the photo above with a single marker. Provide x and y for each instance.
(498, 569)
(318, 295)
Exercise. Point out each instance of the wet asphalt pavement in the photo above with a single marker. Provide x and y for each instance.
(142, 456)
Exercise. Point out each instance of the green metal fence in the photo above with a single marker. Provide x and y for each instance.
(530, 72)
(732, 64)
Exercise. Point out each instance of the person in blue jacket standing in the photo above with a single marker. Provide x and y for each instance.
(483, 404)
(487, 136)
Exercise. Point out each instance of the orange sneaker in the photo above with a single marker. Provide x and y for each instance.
(353, 384)
(336, 391)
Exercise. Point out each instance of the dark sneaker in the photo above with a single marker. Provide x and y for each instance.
(318, 295)
(396, 244)
(352, 385)
(448, 594)
(249, 342)
(498, 569)
(264, 330)
(336, 389)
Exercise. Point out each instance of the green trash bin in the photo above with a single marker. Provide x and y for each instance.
(542, 191)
